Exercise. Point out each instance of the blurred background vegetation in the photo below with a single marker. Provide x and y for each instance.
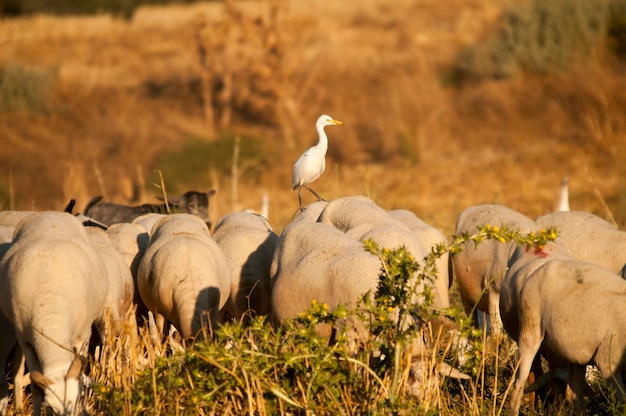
(445, 104)
(124, 8)
(481, 101)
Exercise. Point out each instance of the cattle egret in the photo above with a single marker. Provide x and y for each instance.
(312, 162)
(564, 198)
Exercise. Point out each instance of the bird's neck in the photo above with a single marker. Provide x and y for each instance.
(323, 138)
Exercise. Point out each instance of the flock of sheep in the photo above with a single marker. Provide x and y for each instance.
(62, 274)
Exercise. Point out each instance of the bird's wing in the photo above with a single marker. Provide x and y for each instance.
(301, 169)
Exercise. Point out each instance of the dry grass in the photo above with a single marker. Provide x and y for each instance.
(126, 92)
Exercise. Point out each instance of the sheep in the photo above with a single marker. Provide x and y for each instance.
(53, 287)
(121, 283)
(8, 338)
(248, 242)
(479, 268)
(6, 235)
(360, 218)
(183, 275)
(315, 261)
(589, 237)
(573, 311)
(430, 237)
(310, 212)
(192, 202)
(7, 342)
(147, 221)
(131, 240)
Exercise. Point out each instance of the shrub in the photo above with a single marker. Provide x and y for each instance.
(540, 37)
(261, 370)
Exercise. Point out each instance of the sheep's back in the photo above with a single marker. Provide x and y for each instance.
(589, 237)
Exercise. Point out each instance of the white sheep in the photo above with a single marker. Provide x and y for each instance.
(317, 262)
(248, 242)
(53, 287)
(147, 221)
(430, 237)
(571, 311)
(8, 338)
(589, 237)
(131, 240)
(310, 212)
(121, 283)
(360, 218)
(183, 276)
(6, 235)
(479, 269)
(7, 342)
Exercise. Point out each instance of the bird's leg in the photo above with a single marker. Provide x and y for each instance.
(319, 198)
(300, 209)
(299, 199)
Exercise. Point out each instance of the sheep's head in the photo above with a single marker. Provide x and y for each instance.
(61, 391)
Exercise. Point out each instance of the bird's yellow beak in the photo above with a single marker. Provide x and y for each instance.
(336, 122)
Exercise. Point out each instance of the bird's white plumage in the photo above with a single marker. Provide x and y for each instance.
(312, 162)
(564, 196)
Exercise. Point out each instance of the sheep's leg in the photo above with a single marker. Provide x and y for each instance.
(494, 312)
(160, 324)
(19, 365)
(576, 386)
(33, 366)
(319, 198)
(529, 344)
(4, 383)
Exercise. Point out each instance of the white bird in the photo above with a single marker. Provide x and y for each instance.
(312, 162)
(564, 197)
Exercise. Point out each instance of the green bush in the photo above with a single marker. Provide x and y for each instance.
(24, 88)
(259, 369)
(538, 36)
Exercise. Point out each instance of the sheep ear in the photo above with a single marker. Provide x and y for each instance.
(75, 368)
(211, 193)
(40, 380)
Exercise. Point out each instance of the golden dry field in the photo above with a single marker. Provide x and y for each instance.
(124, 93)
(224, 95)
